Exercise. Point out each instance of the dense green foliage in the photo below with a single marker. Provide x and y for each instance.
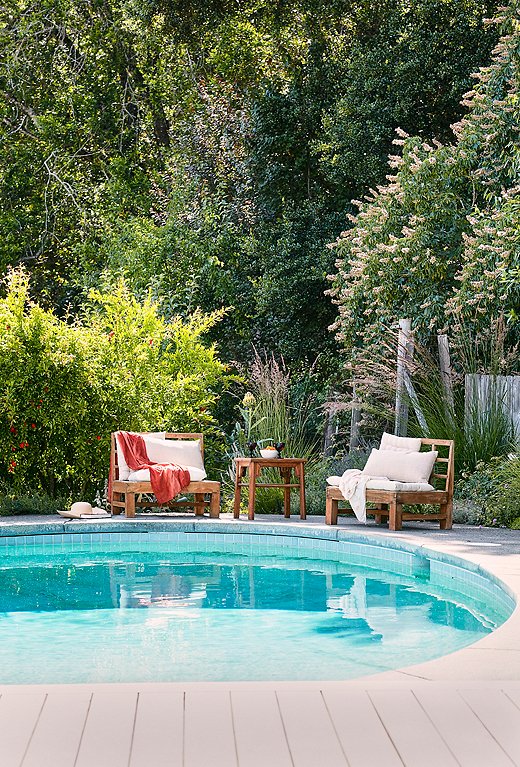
(209, 150)
(441, 242)
(64, 387)
(163, 161)
(493, 490)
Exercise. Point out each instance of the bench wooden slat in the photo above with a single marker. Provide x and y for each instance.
(266, 484)
(122, 486)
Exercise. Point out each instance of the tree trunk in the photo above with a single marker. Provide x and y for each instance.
(404, 346)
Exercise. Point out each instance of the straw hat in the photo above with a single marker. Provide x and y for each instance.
(83, 510)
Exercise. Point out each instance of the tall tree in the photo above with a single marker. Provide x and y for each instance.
(210, 150)
(440, 243)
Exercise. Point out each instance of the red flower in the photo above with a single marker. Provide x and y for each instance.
(13, 449)
(98, 437)
(12, 466)
(22, 444)
(33, 426)
(12, 430)
(150, 341)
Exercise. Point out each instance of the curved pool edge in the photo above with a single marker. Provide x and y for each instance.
(492, 658)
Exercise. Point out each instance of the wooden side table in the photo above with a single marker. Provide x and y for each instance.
(254, 466)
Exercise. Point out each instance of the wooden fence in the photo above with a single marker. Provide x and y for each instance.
(483, 389)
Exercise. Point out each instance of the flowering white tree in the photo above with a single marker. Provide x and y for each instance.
(441, 241)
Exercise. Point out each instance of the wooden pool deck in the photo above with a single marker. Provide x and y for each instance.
(462, 709)
(350, 724)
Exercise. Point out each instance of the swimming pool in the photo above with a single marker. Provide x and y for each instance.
(205, 606)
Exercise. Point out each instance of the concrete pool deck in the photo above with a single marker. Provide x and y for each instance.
(460, 709)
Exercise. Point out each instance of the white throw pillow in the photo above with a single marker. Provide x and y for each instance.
(408, 444)
(404, 467)
(122, 466)
(143, 475)
(182, 452)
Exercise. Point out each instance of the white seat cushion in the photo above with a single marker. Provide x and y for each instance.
(388, 484)
(143, 475)
(394, 485)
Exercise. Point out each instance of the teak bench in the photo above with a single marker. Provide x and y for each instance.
(124, 492)
(390, 503)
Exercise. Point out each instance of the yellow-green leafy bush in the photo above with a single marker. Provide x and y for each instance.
(65, 386)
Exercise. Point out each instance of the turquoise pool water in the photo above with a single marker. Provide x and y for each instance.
(160, 610)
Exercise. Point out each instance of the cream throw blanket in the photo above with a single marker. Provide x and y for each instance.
(353, 485)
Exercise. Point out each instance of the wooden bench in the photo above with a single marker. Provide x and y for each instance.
(390, 503)
(124, 492)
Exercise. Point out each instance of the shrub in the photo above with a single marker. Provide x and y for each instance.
(493, 489)
(502, 507)
(28, 502)
(66, 385)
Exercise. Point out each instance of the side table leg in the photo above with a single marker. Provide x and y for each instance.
(301, 476)
(286, 476)
(252, 490)
(236, 505)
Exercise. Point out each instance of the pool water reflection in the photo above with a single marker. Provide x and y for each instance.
(156, 615)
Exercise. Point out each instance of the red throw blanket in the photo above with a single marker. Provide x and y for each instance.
(167, 480)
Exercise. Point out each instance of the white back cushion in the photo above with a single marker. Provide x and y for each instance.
(401, 466)
(391, 442)
(182, 452)
(123, 468)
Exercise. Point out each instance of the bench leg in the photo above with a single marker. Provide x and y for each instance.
(331, 511)
(214, 504)
(395, 519)
(199, 504)
(129, 504)
(378, 518)
(447, 523)
(116, 509)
